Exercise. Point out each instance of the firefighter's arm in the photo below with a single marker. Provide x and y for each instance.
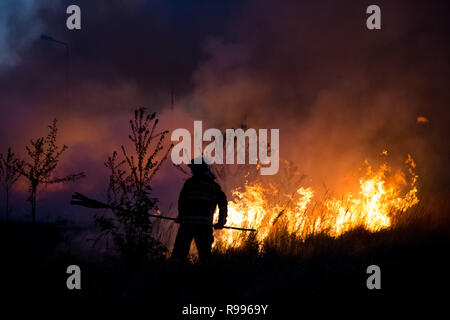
(223, 210)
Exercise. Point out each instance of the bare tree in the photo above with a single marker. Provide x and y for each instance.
(44, 157)
(129, 191)
(10, 167)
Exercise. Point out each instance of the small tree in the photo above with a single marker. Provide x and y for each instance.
(10, 167)
(129, 191)
(44, 157)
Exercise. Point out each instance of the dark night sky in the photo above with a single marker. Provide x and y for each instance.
(338, 92)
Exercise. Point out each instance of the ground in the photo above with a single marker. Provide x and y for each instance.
(412, 262)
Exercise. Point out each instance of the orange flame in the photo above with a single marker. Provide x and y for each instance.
(422, 119)
(381, 195)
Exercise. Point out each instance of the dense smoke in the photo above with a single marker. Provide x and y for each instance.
(338, 92)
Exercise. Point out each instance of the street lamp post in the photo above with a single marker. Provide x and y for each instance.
(66, 45)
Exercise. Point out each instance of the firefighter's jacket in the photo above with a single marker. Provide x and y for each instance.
(198, 200)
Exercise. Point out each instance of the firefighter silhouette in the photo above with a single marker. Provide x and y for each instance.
(198, 200)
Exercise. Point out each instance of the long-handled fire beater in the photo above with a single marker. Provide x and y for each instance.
(80, 200)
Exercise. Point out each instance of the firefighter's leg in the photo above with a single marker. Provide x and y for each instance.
(182, 242)
(203, 240)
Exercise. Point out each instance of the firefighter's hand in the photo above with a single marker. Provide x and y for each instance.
(218, 226)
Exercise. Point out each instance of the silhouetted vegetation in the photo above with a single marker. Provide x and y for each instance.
(288, 268)
(412, 261)
(43, 159)
(10, 168)
(129, 191)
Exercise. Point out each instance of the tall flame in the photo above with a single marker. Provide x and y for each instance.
(381, 195)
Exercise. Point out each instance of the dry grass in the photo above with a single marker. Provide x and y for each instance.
(411, 255)
(415, 224)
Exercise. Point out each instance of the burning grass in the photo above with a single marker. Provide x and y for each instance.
(383, 196)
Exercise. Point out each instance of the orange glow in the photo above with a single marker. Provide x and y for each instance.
(422, 120)
(381, 195)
